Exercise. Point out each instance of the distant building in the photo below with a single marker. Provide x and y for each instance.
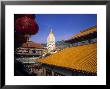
(60, 45)
(51, 42)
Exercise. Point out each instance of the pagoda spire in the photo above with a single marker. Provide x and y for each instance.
(51, 30)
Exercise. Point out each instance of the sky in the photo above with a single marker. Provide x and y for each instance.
(63, 25)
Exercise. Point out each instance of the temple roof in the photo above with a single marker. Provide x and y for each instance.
(31, 44)
(82, 58)
(83, 33)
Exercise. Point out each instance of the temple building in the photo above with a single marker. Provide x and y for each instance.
(29, 51)
(84, 37)
(25, 50)
(27, 54)
(51, 42)
(79, 59)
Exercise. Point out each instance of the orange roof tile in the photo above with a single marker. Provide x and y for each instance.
(80, 58)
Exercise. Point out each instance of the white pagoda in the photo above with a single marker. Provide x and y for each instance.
(51, 42)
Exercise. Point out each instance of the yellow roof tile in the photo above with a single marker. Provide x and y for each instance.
(85, 32)
(80, 58)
